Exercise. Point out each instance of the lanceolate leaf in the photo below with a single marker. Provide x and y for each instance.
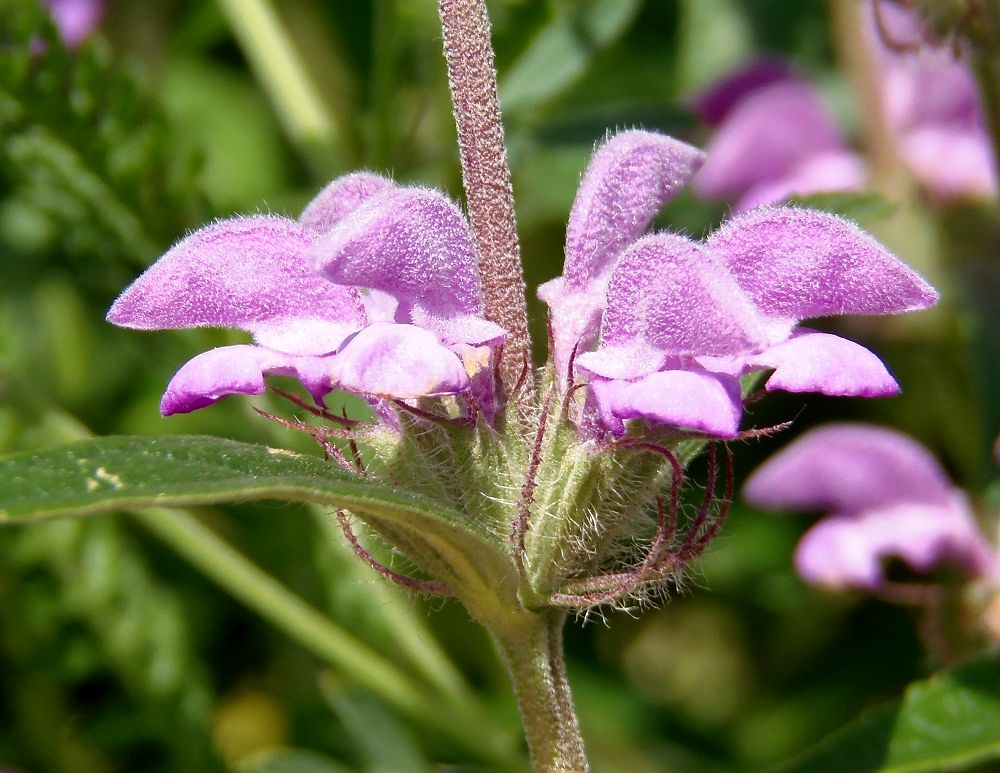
(114, 473)
(949, 721)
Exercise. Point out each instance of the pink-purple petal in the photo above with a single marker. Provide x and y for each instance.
(696, 400)
(628, 181)
(766, 137)
(239, 369)
(850, 551)
(397, 360)
(836, 170)
(799, 263)
(715, 104)
(250, 273)
(672, 294)
(340, 198)
(414, 244)
(848, 468)
(811, 361)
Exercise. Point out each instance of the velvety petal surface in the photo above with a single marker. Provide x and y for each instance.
(403, 361)
(765, 137)
(850, 551)
(811, 361)
(414, 244)
(340, 198)
(799, 263)
(849, 468)
(250, 273)
(669, 294)
(628, 181)
(239, 370)
(697, 400)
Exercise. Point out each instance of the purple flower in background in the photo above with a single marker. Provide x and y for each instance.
(75, 19)
(887, 497)
(677, 322)
(773, 140)
(932, 105)
(374, 290)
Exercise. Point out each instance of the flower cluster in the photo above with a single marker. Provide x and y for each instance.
(374, 289)
(774, 139)
(677, 322)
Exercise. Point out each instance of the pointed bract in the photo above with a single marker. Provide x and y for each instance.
(414, 244)
(670, 294)
(249, 273)
(629, 179)
(799, 263)
(340, 198)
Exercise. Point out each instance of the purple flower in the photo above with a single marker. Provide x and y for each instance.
(932, 105)
(887, 497)
(75, 19)
(680, 321)
(374, 290)
(774, 140)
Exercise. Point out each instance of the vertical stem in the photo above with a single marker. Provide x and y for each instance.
(486, 175)
(986, 66)
(889, 176)
(535, 660)
(277, 65)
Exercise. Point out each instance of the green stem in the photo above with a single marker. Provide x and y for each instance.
(277, 65)
(289, 613)
(534, 655)
(465, 26)
(889, 175)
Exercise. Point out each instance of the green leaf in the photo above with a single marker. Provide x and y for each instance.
(114, 473)
(946, 722)
(862, 206)
(563, 50)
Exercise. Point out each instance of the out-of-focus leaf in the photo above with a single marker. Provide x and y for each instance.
(563, 49)
(946, 722)
(83, 148)
(290, 761)
(384, 743)
(715, 37)
(863, 207)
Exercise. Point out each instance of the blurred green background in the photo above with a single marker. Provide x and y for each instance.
(116, 655)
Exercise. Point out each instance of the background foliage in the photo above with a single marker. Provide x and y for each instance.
(117, 655)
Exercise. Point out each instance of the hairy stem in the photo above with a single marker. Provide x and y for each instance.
(473, 82)
(986, 66)
(534, 656)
